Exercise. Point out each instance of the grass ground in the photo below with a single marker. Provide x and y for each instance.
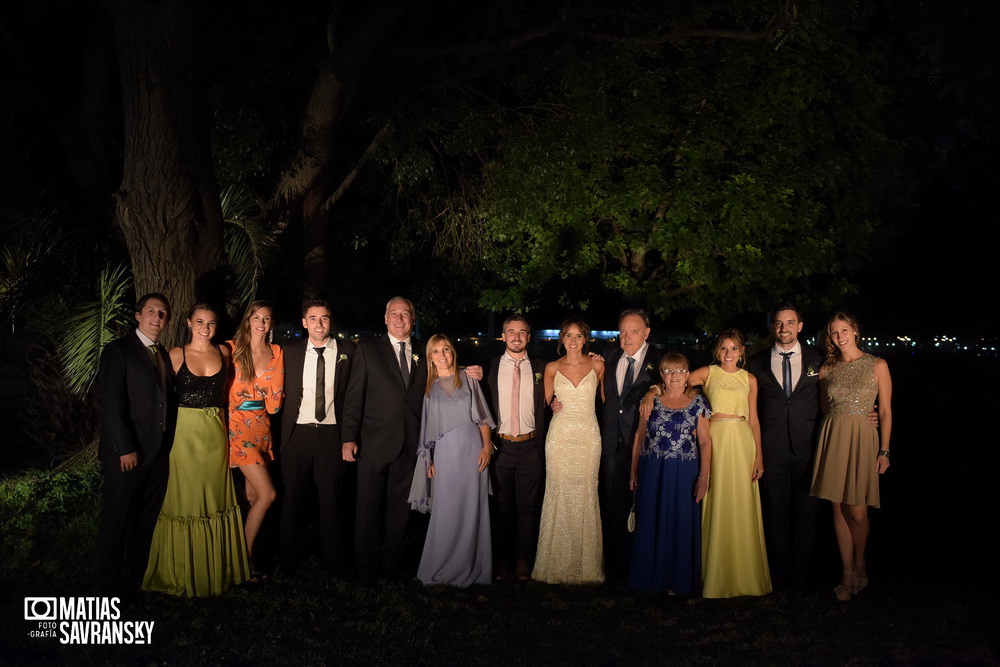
(933, 597)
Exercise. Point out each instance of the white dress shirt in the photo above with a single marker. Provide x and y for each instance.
(622, 368)
(307, 410)
(796, 359)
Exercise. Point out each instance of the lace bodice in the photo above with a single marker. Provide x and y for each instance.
(577, 400)
(728, 393)
(851, 387)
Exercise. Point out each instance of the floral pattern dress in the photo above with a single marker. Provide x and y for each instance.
(250, 406)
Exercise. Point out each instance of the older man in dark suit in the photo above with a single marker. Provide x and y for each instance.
(381, 429)
(518, 400)
(630, 371)
(317, 371)
(788, 406)
(138, 415)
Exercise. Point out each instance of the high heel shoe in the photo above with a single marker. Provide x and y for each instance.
(860, 577)
(845, 589)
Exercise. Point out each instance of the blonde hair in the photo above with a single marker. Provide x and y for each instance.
(432, 374)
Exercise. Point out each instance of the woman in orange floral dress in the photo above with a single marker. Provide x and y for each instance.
(257, 391)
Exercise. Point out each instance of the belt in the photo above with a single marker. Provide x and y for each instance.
(517, 438)
(250, 405)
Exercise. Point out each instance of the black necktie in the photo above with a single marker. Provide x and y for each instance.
(629, 378)
(786, 372)
(320, 385)
(404, 365)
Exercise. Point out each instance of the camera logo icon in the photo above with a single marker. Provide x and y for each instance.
(40, 609)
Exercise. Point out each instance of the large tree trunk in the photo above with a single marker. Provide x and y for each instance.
(168, 204)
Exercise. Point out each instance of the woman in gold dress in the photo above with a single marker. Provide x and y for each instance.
(852, 451)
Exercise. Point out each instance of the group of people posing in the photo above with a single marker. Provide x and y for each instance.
(663, 491)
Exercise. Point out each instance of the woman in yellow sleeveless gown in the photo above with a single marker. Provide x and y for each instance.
(733, 555)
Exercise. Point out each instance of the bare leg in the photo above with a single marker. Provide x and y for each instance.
(857, 521)
(260, 494)
(845, 544)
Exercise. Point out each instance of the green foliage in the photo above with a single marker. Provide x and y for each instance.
(93, 326)
(249, 244)
(711, 175)
(48, 517)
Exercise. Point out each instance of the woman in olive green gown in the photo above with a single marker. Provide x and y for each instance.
(198, 546)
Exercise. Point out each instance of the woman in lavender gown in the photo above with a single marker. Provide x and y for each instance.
(451, 473)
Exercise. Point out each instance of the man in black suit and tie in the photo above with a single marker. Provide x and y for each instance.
(631, 370)
(317, 371)
(138, 415)
(518, 399)
(381, 431)
(788, 406)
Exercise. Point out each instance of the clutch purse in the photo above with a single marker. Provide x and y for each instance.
(630, 524)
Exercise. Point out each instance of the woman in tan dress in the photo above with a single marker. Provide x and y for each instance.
(852, 452)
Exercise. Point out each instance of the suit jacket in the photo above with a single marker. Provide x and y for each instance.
(382, 414)
(788, 425)
(493, 387)
(621, 414)
(295, 356)
(137, 413)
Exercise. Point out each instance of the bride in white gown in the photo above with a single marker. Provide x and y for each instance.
(569, 539)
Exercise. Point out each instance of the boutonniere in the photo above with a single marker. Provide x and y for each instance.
(811, 372)
(416, 358)
(538, 378)
(649, 368)
(342, 357)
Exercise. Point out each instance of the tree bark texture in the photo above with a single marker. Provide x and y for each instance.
(168, 204)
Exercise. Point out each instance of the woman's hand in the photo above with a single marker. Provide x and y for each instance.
(700, 488)
(758, 469)
(633, 480)
(484, 458)
(881, 464)
(430, 471)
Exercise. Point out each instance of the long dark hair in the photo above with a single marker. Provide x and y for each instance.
(242, 354)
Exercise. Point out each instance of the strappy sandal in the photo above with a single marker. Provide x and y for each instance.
(844, 591)
(860, 580)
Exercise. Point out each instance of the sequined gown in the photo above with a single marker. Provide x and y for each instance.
(845, 467)
(733, 555)
(198, 546)
(569, 537)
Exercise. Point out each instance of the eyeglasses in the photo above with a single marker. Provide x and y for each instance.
(672, 371)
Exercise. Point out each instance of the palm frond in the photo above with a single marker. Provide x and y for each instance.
(249, 242)
(94, 325)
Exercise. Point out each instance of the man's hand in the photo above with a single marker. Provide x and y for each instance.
(349, 451)
(129, 461)
(555, 405)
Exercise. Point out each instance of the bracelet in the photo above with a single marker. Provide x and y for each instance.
(883, 452)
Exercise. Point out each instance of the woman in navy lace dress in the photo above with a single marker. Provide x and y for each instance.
(671, 460)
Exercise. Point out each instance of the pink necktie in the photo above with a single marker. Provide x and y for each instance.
(515, 400)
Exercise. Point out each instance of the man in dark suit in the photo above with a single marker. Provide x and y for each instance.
(788, 406)
(518, 399)
(138, 415)
(381, 431)
(317, 371)
(630, 371)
